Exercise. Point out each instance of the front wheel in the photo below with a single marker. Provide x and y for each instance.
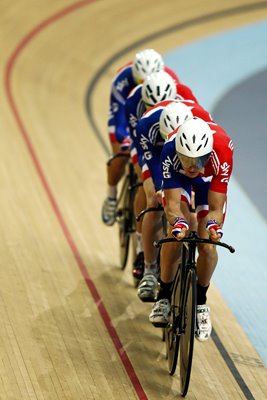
(188, 331)
(172, 336)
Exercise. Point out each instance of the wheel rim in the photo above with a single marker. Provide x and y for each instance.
(188, 336)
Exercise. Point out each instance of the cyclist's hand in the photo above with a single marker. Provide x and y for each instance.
(126, 144)
(214, 230)
(180, 226)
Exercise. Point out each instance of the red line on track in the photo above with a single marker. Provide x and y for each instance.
(90, 284)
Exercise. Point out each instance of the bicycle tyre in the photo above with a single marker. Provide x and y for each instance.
(188, 334)
(125, 215)
(172, 337)
(123, 222)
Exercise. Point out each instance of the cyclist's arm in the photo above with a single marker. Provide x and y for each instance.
(173, 204)
(216, 205)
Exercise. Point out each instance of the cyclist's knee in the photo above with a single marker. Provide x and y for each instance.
(207, 250)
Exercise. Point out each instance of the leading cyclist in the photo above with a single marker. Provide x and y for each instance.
(200, 154)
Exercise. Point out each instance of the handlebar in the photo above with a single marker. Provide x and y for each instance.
(118, 155)
(148, 209)
(193, 238)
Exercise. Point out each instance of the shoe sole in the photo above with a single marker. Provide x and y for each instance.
(147, 299)
(159, 324)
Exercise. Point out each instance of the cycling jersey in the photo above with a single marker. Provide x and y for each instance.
(219, 166)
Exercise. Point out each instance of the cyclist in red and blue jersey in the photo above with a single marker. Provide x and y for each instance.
(152, 131)
(198, 154)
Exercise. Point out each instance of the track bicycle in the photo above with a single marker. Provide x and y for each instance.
(180, 331)
(125, 216)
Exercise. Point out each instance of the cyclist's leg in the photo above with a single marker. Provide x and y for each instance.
(151, 231)
(206, 264)
(117, 132)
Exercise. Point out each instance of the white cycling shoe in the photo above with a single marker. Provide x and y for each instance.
(204, 326)
(109, 211)
(160, 313)
(147, 287)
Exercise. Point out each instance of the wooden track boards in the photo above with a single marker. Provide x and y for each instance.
(56, 340)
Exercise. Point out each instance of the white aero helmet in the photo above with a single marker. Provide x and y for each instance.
(157, 87)
(194, 142)
(172, 116)
(145, 63)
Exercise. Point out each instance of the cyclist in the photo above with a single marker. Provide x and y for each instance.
(198, 153)
(130, 75)
(152, 130)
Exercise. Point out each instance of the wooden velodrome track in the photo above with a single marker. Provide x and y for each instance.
(72, 326)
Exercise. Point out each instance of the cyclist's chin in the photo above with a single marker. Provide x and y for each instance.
(192, 174)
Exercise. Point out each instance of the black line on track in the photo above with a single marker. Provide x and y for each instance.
(89, 94)
(230, 364)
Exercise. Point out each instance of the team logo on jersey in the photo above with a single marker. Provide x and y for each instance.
(225, 167)
(166, 168)
(143, 141)
(133, 120)
(122, 84)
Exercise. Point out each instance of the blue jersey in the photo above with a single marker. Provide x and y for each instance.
(174, 177)
(122, 85)
(134, 109)
(151, 142)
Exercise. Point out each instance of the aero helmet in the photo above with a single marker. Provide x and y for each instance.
(145, 63)
(194, 142)
(172, 116)
(157, 87)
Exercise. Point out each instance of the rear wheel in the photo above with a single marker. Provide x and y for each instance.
(188, 331)
(125, 215)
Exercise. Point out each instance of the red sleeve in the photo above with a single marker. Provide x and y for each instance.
(200, 112)
(221, 161)
(185, 92)
(172, 74)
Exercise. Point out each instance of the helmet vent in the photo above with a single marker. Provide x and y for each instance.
(206, 142)
(194, 139)
(199, 147)
(188, 148)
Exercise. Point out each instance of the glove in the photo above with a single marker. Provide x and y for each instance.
(126, 144)
(178, 225)
(212, 224)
